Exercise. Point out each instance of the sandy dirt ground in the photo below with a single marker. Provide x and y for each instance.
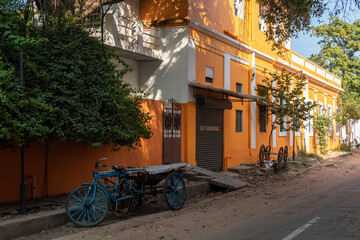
(218, 212)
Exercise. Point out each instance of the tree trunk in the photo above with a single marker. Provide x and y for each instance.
(348, 132)
(340, 137)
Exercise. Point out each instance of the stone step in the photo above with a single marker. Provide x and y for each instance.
(239, 169)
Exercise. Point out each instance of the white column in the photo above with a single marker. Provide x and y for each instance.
(226, 71)
(306, 129)
(191, 67)
(333, 121)
(291, 132)
(273, 120)
(253, 104)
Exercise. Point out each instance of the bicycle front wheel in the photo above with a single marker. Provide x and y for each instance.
(86, 208)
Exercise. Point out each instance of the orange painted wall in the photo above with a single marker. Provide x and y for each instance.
(236, 144)
(190, 133)
(71, 164)
(211, 59)
(219, 15)
(159, 10)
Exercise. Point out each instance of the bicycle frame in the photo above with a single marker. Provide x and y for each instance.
(114, 186)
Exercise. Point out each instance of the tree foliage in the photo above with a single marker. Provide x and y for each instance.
(73, 89)
(282, 94)
(296, 15)
(340, 51)
(321, 124)
(340, 54)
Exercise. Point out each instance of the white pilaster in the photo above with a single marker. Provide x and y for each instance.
(291, 132)
(306, 129)
(226, 71)
(273, 120)
(253, 104)
(333, 120)
(191, 67)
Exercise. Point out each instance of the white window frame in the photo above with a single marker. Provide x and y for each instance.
(239, 8)
(311, 121)
(276, 37)
(331, 113)
(209, 73)
(320, 110)
(336, 132)
(283, 133)
(262, 23)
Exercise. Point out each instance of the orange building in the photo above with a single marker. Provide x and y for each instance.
(200, 61)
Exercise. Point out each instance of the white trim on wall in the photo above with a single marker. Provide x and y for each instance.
(222, 37)
(191, 67)
(253, 104)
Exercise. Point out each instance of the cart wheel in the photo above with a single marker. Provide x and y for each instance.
(174, 190)
(262, 154)
(86, 208)
(132, 203)
(280, 155)
(286, 153)
(267, 153)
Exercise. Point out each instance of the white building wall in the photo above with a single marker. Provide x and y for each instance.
(168, 78)
(132, 77)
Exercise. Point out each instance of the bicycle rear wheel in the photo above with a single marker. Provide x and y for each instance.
(86, 208)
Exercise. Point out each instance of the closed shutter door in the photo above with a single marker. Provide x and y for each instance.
(209, 138)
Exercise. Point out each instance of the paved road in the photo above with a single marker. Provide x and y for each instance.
(330, 214)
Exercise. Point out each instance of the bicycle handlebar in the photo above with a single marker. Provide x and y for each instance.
(97, 164)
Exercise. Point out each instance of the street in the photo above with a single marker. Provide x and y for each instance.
(321, 202)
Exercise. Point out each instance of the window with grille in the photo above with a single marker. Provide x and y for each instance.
(262, 23)
(239, 121)
(239, 8)
(262, 117)
(239, 88)
(209, 74)
(283, 125)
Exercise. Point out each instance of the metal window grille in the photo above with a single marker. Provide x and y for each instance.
(239, 121)
(262, 118)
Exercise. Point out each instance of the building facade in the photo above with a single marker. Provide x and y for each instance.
(200, 61)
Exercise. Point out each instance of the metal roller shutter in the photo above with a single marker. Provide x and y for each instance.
(209, 138)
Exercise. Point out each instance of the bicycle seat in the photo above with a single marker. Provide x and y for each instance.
(118, 168)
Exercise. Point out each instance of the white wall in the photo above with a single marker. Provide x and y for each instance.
(132, 77)
(168, 78)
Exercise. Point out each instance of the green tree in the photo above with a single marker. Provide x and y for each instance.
(296, 15)
(281, 94)
(340, 50)
(73, 89)
(321, 124)
(340, 54)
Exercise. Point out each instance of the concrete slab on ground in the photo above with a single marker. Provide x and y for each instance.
(220, 180)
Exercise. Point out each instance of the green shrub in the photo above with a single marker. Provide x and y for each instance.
(344, 147)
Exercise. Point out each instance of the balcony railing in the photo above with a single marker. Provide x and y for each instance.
(126, 29)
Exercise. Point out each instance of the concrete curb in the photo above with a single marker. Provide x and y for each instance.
(35, 223)
(30, 224)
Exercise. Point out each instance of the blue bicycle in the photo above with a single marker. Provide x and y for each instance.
(89, 204)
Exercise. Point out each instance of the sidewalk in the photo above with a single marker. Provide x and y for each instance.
(47, 213)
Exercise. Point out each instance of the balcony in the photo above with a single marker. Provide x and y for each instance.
(124, 31)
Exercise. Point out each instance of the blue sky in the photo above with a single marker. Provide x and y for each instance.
(306, 45)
